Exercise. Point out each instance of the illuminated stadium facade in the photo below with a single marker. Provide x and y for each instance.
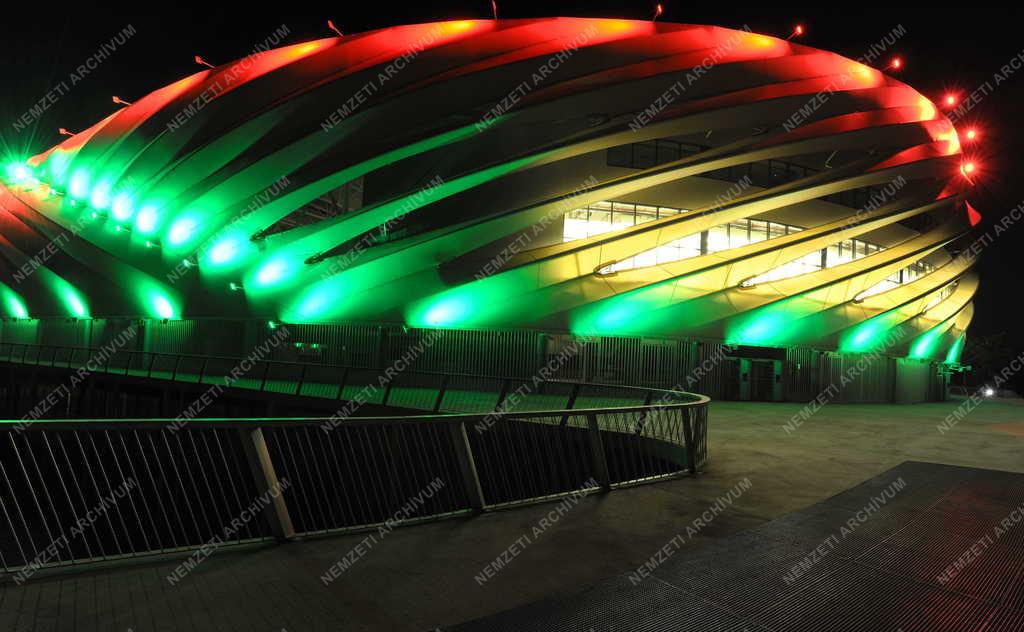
(738, 214)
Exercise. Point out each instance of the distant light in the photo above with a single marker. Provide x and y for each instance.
(122, 206)
(146, 219)
(950, 100)
(18, 172)
(271, 272)
(181, 231)
(74, 303)
(989, 391)
(798, 30)
(79, 186)
(163, 307)
(235, 287)
(896, 63)
(972, 134)
(100, 197)
(17, 308)
(968, 168)
(223, 251)
(658, 10)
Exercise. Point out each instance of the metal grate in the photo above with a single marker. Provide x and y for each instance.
(883, 574)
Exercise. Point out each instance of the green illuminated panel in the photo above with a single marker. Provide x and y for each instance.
(955, 351)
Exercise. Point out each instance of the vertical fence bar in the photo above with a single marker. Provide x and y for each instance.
(597, 455)
(263, 380)
(440, 393)
(501, 395)
(691, 449)
(643, 415)
(302, 380)
(570, 403)
(278, 520)
(467, 466)
(341, 385)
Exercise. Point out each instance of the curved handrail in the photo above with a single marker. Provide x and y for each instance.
(311, 475)
(233, 422)
(338, 378)
(299, 365)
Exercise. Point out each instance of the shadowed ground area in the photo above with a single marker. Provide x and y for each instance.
(441, 574)
(918, 547)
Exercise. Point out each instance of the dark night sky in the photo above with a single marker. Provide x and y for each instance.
(955, 48)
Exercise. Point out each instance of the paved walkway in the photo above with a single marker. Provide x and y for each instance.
(919, 547)
(421, 577)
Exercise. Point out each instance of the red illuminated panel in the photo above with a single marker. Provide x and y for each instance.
(972, 214)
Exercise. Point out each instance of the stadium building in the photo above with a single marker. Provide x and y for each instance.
(606, 200)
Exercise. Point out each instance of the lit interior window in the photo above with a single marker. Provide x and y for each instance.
(910, 273)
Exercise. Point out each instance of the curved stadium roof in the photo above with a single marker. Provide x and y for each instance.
(229, 193)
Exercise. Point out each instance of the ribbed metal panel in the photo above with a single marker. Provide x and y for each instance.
(123, 332)
(351, 345)
(802, 374)
(175, 336)
(715, 372)
(71, 333)
(694, 365)
(22, 331)
(858, 377)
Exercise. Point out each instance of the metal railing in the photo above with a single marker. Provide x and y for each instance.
(77, 491)
(420, 390)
